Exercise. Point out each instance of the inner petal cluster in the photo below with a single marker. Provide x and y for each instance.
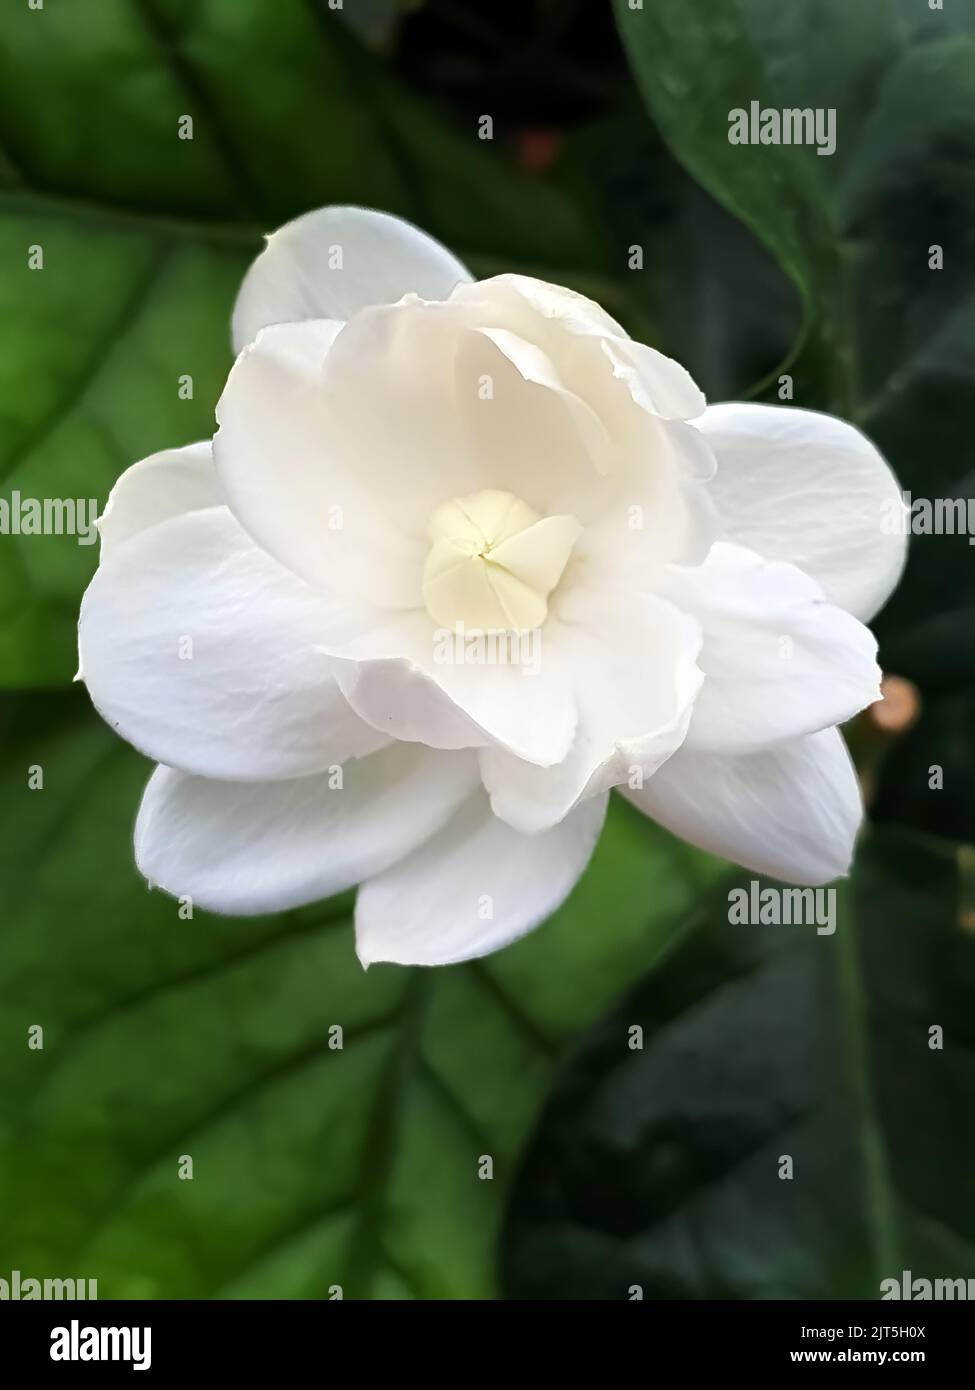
(494, 562)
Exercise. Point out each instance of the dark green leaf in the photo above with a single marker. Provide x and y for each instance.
(660, 1167)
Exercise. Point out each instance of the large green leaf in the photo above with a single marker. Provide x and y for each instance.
(889, 342)
(663, 1167)
(145, 235)
(210, 1038)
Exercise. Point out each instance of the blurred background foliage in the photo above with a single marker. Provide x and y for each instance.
(211, 1037)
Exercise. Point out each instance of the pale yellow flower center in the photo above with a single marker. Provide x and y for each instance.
(494, 562)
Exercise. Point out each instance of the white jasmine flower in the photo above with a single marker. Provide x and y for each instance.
(405, 454)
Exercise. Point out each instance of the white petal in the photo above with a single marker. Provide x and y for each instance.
(296, 468)
(657, 383)
(661, 513)
(472, 888)
(792, 812)
(522, 299)
(779, 660)
(202, 651)
(246, 848)
(161, 486)
(542, 312)
(331, 263)
(533, 365)
(406, 681)
(809, 488)
(425, 407)
(631, 666)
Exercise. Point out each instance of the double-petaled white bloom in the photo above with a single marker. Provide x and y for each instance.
(302, 622)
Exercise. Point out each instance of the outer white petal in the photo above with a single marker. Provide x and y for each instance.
(392, 678)
(253, 697)
(631, 664)
(472, 888)
(246, 848)
(796, 485)
(161, 486)
(779, 660)
(300, 275)
(792, 812)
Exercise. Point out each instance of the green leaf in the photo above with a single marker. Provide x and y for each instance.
(145, 236)
(889, 342)
(663, 1167)
(210, 1038)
